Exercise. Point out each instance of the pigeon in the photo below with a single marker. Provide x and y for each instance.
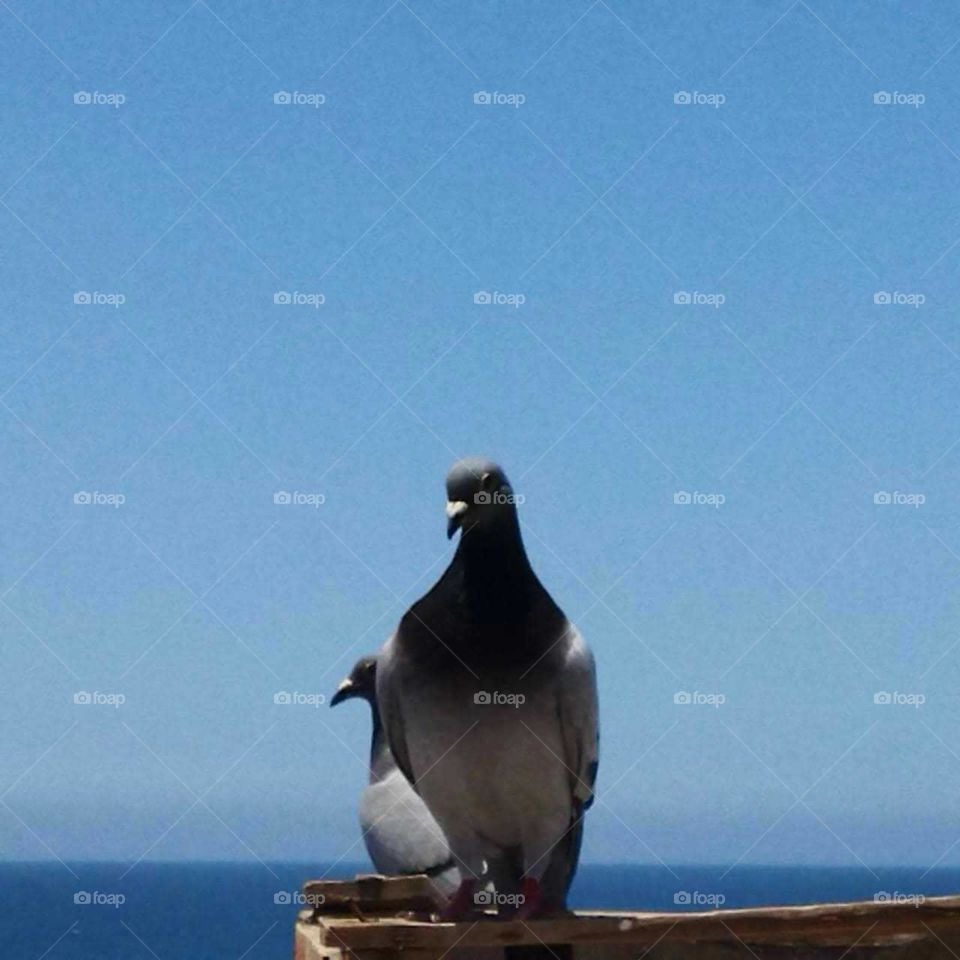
(488, 697)
(400, 834)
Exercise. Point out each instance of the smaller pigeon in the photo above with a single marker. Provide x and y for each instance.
(401, 835)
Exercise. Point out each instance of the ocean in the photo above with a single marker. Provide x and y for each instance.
(245, 911)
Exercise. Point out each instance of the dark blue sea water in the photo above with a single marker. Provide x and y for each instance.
(203, 911)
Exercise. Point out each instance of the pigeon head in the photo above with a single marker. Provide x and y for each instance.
(360, 682)
(478, 496)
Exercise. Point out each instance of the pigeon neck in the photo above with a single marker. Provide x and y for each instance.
(497, 575)
(381, 759)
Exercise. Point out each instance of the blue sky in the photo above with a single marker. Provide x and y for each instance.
(782, 201)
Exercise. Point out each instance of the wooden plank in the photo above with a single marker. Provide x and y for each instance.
(841, 924)
(306, 941)
(372, 894)
(309, 946)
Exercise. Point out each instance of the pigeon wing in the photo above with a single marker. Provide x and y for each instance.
(390, 704)
(400, 834)
(579, 720)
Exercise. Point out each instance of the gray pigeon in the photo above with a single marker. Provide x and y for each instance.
(488, 698)
(400, 834)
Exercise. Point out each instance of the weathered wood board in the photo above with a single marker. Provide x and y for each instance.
(921, 929)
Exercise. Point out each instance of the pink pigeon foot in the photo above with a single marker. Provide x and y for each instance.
(532, 899)
(461, 903)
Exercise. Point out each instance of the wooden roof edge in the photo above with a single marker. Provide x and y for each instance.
(865, 922)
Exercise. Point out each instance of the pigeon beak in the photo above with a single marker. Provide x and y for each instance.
(455, 511)
(345, 691)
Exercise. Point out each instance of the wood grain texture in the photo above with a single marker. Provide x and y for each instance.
(863, 923)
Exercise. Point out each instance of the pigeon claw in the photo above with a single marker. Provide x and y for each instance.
(461, 902)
